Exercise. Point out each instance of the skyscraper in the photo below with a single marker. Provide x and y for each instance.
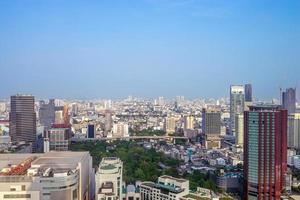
(47, 113)
(239, 129)
(289, 100)
(265, 151)
(189, 122)
(237, 98)
(248, 93)
(22, 119)
(294, 131)
(211, 128)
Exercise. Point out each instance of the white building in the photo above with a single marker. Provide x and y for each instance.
(166, 188)
(108, 179)
(120, 130)
(52, 175)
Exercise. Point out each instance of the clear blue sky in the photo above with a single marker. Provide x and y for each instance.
(111, 49)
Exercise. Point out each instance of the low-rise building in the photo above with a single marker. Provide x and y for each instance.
(53, 175)
(166, 188)
(108, 179)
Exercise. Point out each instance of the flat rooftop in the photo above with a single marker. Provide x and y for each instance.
(66, 159)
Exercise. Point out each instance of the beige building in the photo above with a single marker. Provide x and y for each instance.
(239, 129)
(108, 179)
(52, 175)
(293, 136)
(211, 128)
(166, 188)
(189, 122)
(170, 125)
(120, 129)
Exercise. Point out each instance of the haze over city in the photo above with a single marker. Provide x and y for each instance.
(148, 48)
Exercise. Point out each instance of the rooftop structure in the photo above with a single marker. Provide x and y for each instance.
(53, 175)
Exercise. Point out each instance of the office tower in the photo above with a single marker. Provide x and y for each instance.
(294, 131)
(74, 109)
(170, 125)
(52, 175)
(59, 138)
(248, 93)
(120, 129)
(47, 113)
(108, 179)
(91, 130)
(211, 128)
(237, 96)
(22, 119)
(239, 129)
(189, 122)
(108, 121)
(265, 152)
(289, 100)
(167, 187)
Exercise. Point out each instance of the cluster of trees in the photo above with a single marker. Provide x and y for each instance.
(140, 163)
(148, 132)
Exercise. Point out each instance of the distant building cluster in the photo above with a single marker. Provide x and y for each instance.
(247, 147)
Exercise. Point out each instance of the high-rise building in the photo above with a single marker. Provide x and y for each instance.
(22, 119)
(237, 98)
(108, 179)
(289, 100)
(294, 131)
(108, 121)
(189, 122)
(211, 128)
(120, 129)
(47, 113)
(74, 109)
(170, 125)
(239, 129)
(51, 175)
(248, 93)
(91, 130)
(167, 188)
(265, 152)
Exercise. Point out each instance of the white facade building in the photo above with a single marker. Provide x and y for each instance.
(108, 179)
(120, 130)
(166, 188)
(53, 175)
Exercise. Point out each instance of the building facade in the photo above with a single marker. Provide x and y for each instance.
(289, 100)
(211, 128)
(59, 139)
(237, 99)
(53, 175)
(248, 93)
(265, 152)
(166, 188)
(108, 179)
(239, 129)
(294, 131)
(22, 119)
(47, 113)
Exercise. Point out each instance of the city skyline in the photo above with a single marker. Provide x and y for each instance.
(155, 48)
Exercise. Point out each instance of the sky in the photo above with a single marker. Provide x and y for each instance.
(87, 49)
